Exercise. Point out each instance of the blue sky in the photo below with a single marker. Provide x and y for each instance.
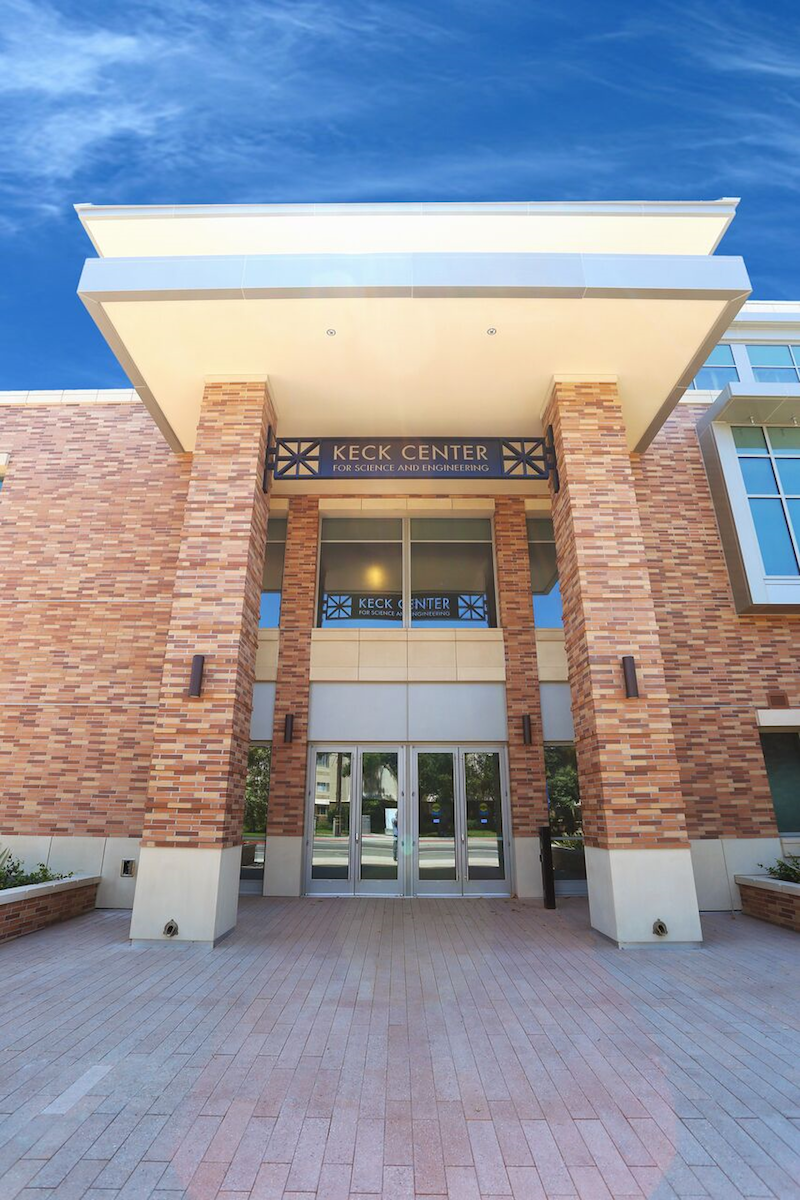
(253, 100)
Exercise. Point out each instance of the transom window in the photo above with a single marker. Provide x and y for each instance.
(775, 364)
(769, 457)
(396, 572)
(719, 369)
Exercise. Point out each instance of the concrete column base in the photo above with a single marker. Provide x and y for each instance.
(717, 860)
(283, 866)
(527, 868)
(198, 889)
(629, 890)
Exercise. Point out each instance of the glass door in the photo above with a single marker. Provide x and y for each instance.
(436, 860)
(328, 822)
(485, 845)
(378, 839)
(355, 823)
(460, 841)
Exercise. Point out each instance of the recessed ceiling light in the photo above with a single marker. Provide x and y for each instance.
(331, 332)
(491, 331)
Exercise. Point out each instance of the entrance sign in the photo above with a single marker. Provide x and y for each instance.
(388, 606)
(413, 458)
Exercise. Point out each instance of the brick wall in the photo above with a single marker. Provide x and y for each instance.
(630, 785)
(199, 762)
(525, 763)
(36, 912)
(779, 908)
(90, 522)
(719, 666)
(285, 814)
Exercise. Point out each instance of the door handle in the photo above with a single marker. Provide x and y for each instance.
(358, 839)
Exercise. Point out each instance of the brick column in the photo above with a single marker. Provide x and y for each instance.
(283, 866)
(191, 844)
(637, 850)
(525, 763)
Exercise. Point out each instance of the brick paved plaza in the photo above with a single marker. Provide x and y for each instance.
(337, 1048)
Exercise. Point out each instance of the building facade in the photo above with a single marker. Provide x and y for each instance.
(421, 528)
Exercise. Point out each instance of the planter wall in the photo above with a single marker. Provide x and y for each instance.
(26, 909)
(770, 900)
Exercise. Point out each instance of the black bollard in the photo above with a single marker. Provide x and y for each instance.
(546, 859)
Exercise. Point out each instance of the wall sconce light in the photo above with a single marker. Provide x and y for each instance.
(288, 727)
(196, 677)
(629, 673)
(526, 730)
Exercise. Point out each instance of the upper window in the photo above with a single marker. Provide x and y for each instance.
(547, 613)
(769, 457)
(719, 369)
(775, 364)
(452, 572)
(380, 572)
(361, 573)
(272, 582)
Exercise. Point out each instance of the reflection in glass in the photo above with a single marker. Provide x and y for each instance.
(769, 356)
(330, 858)
(759, 477)
(256, 795)
(547, 609)
(789, 471)
(773, 537)
(750, 438)
(379, 812)
(485, 858)
(452, 573)
(714, 379)
(564, 805)
(360, 585)
(437, 829)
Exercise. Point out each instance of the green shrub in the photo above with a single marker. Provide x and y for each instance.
(787, 869)
(13, 874)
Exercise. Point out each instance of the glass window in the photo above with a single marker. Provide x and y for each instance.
(750, 438)
(773, 537)
(718, 370)
(782, 758)
(769, 457)
(256, 796)
(450, 577)
(452, 573)
(270, 617)
(547, 610)
(361, 573)
(774, 364)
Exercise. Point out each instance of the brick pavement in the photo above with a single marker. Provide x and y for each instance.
(376, 1048)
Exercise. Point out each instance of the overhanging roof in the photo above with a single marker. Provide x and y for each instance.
(411, 353)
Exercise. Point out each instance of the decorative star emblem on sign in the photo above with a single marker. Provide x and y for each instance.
(337, 608)
(525, 459)
(472, 608)
(297, 459)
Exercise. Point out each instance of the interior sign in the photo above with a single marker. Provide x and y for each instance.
(413, 458)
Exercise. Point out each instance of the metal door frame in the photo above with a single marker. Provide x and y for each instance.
(328, 887)
(380, 887)
(408, 882)
(353, 886)
(462, 885)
